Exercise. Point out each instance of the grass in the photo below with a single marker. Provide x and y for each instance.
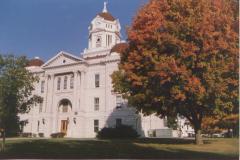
(139, 148)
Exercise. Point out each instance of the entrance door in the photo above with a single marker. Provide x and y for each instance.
(64, 126)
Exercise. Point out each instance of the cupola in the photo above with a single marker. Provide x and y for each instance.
(36, 61)
(104, 31)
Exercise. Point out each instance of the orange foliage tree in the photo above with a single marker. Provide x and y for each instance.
(182, 59)
(229, 123)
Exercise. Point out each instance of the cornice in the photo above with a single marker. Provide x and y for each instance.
(66, 65)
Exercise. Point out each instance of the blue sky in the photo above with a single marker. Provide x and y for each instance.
(45, 27)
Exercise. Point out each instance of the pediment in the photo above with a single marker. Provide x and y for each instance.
(62, 59)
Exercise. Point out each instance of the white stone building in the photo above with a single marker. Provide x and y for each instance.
(78, 97)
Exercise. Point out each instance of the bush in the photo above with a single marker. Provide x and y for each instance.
(57, 135)
(40, 134)
(26, 134)
(122, 131)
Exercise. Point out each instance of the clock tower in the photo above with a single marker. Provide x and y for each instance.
(104, 32)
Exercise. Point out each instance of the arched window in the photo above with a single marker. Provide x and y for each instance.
(72, 82)
(58, 83)
(64, 106)
(65, 83)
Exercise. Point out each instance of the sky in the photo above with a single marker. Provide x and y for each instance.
(44, 27)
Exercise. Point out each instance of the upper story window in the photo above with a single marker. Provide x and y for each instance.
(42, 86)
(108, 26)
(58, 83)
(97, 80)
(65, 82)
(71, 82)
(96, 103)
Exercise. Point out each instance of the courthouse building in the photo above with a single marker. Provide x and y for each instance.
(78, 97)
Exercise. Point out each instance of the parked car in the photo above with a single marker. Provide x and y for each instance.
(217, 135)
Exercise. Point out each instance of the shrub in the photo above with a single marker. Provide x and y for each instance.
(57, 135)
(26, 134)
(40, 134)
(122, 131)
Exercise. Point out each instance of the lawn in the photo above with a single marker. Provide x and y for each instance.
(139, 148)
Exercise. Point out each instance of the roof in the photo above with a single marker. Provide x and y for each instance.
(119, 48)
(35, 62)
(107, 16)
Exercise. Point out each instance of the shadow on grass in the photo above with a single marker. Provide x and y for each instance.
(69, 149)
(165, 141)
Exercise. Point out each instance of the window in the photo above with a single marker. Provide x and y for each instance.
(96, 104)
(42, 86)
(118, 122)
(40, 107)
(119, 102)
(97, 80)
(65, 108)
(109, 40)
(58, 83)
(65, 82)
(96, 126)
(165, 123)
(71, 82)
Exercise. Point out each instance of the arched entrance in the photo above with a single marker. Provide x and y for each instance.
(64, 108)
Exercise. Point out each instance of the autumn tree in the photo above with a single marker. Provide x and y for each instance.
(16, 85)
(182, 60)
(216, 124)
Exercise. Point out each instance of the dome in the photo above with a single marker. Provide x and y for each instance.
(35, 62)
(119, 48)
(107, 16)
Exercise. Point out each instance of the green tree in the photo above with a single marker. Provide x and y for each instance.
(16, 85)
(182, 59)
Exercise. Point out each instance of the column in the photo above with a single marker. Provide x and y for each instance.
(46, 92)
(75, 91)
(50, 107)
(82, 92)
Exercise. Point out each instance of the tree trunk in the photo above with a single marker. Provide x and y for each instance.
(3, 140)
(198, 137)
